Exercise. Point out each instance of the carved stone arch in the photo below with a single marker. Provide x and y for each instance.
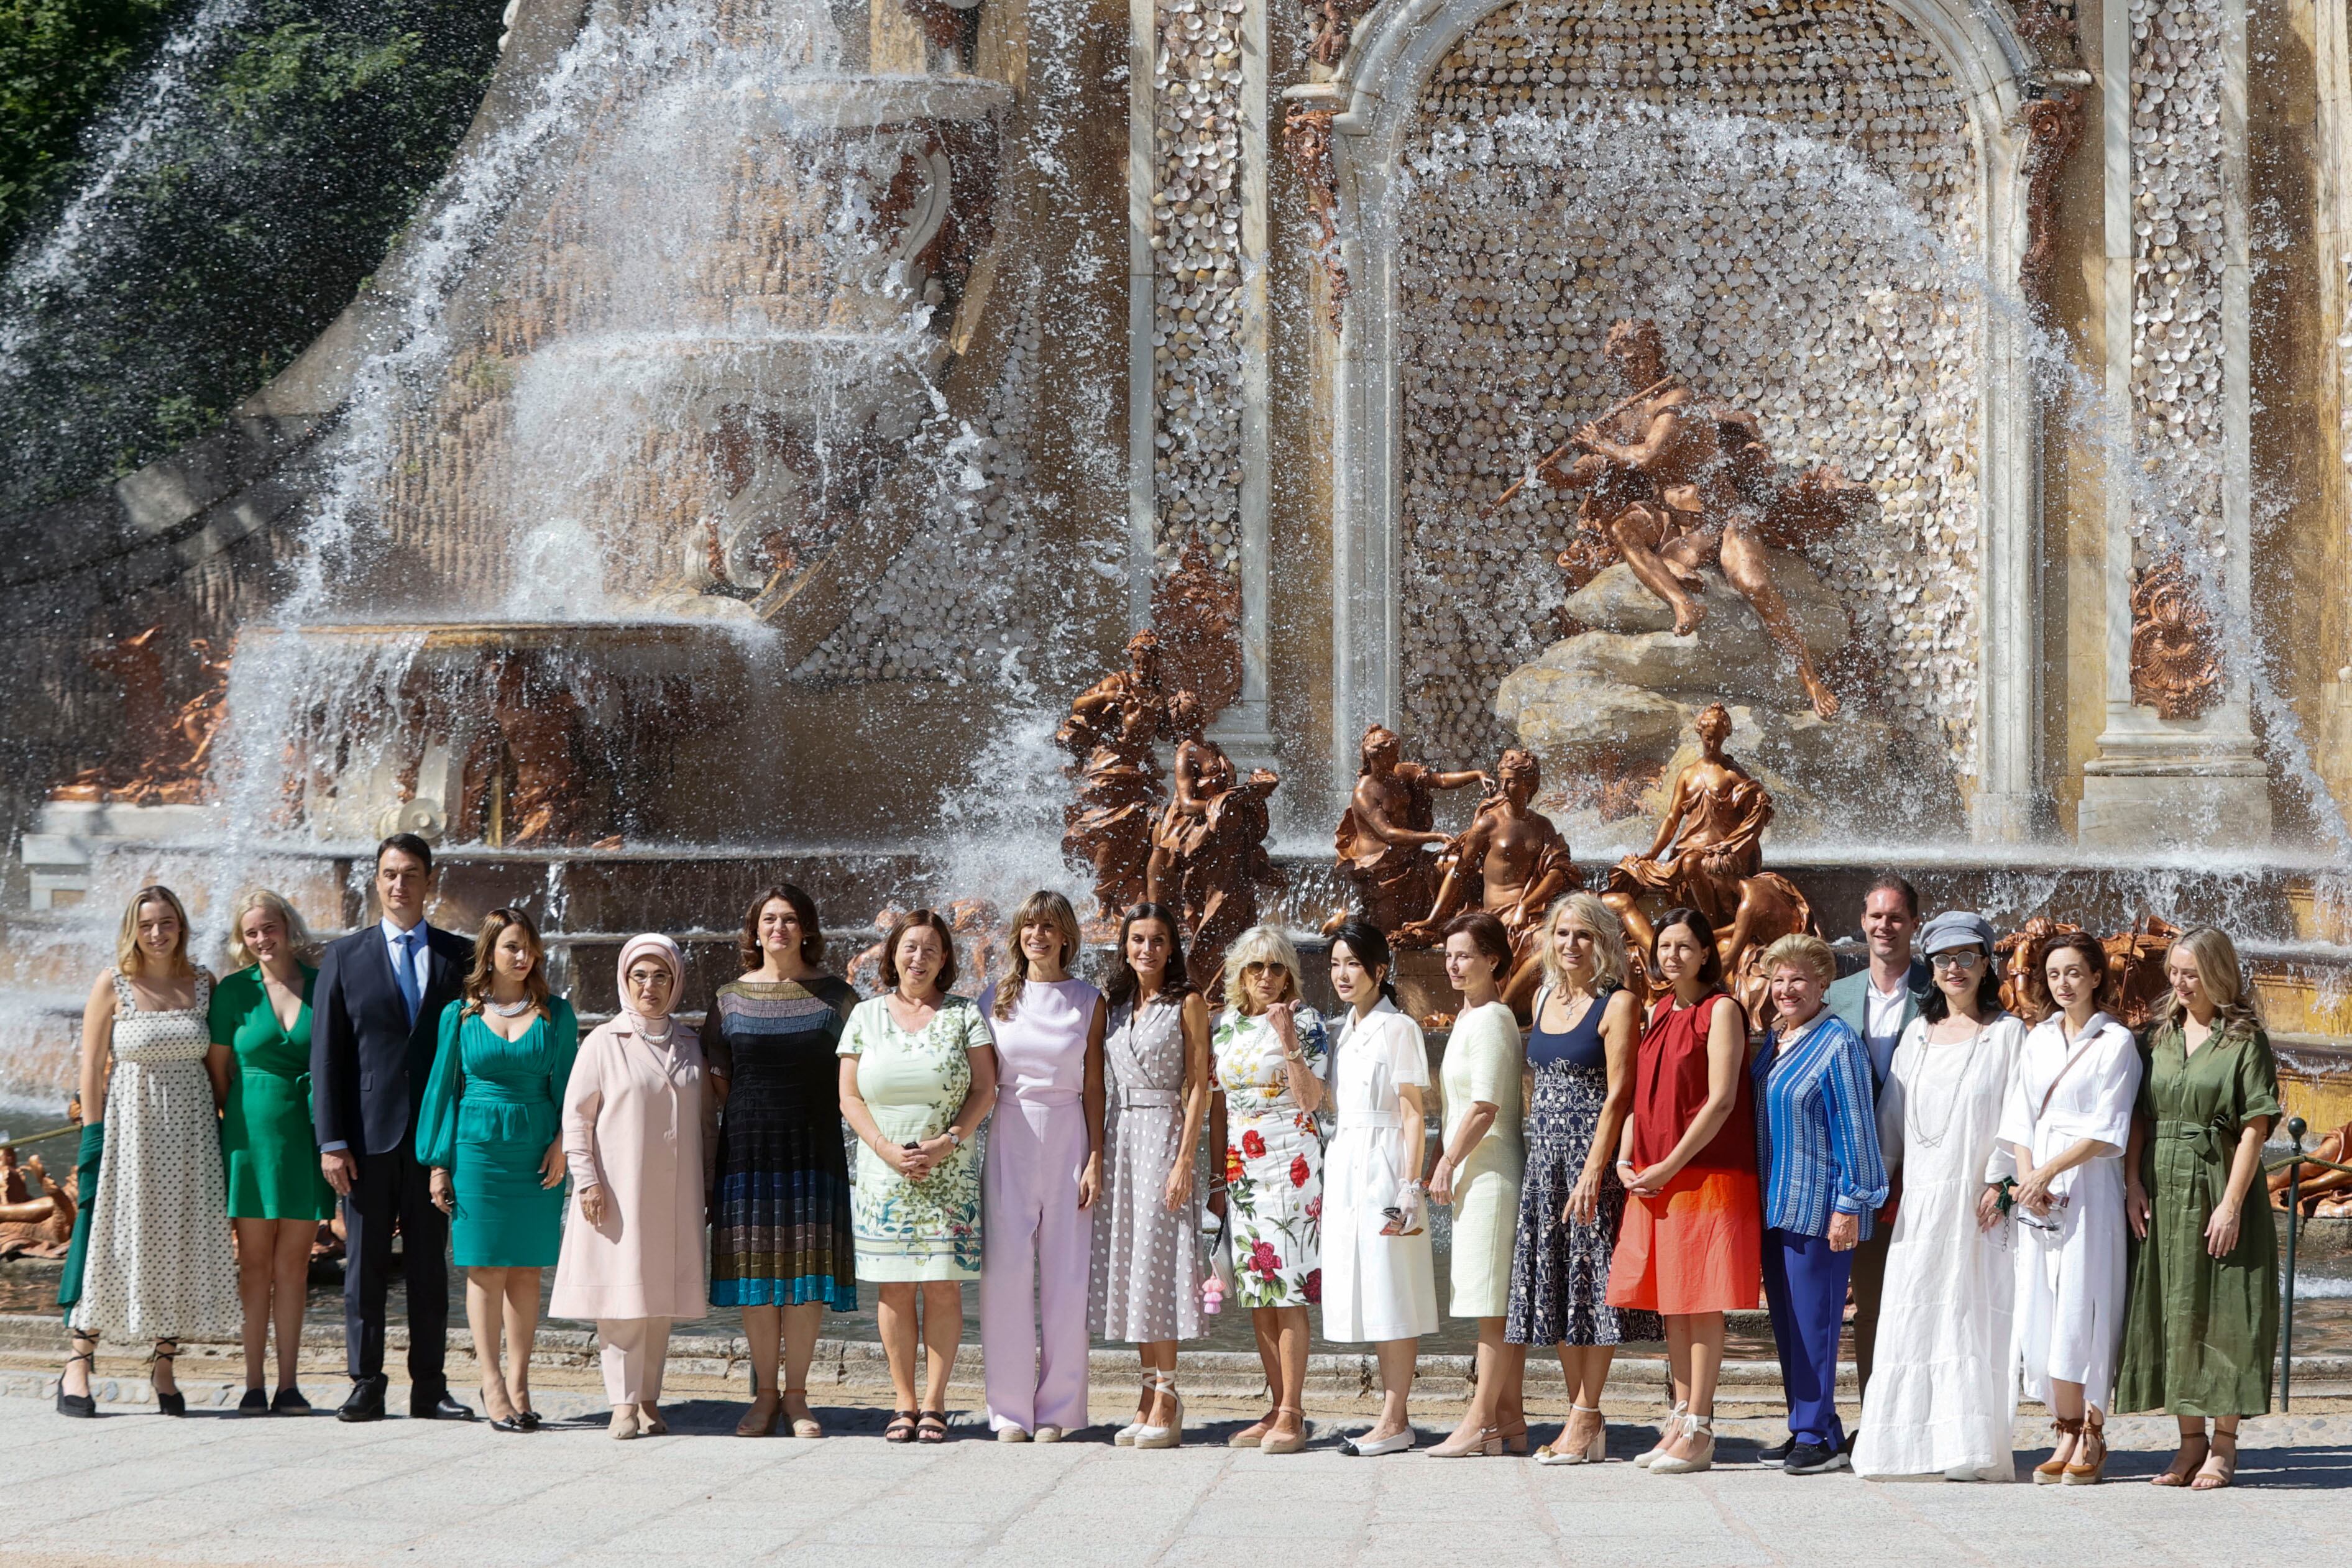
(1376, 94)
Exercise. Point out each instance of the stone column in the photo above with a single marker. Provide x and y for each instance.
(1197, 171)
(2176, 762)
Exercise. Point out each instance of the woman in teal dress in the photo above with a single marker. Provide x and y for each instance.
(491, 1131)
(261, 1016)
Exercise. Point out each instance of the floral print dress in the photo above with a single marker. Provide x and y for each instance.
(1273, 1161)
(914, 1084)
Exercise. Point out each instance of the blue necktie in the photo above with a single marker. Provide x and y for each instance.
(406, 973)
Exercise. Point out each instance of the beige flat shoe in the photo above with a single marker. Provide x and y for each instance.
(1048, 1433)
(625, 1422)
(805, 1426)
(649, 1420)
(1280, 1442)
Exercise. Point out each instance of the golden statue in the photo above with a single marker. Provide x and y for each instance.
(1510, 861)
(1110, 735)
(1389, 820)
(1208, 849)
(1709, 855)
(1675, 485)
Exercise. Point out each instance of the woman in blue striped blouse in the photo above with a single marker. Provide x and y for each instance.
(1817, 1152)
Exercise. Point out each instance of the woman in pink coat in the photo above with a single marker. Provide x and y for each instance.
(639, 1119)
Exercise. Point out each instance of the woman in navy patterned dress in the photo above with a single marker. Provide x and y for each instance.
(781, 1247)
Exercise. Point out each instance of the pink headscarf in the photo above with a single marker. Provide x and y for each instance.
(650, 945)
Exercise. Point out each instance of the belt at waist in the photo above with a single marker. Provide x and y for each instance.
(1139, 1099)
(1042, 1096)
(479, 1095)
(2203, 1132)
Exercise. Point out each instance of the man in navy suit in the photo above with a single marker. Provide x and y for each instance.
(375, 1022)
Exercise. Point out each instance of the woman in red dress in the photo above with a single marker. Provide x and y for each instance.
(1692, 1244)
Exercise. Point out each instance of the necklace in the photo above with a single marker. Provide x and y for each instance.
(1951, 1111)
(510, 1009)
(650, 1038)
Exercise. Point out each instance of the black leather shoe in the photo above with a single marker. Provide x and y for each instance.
(440, 1407)
(289, 1402)
(366, 1401)
(254, 1402)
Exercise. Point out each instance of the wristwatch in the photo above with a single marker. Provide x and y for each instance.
(954, 1137)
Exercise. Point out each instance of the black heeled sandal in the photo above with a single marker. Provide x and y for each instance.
(175, 1403)
(932, 1426)
(82, 1406)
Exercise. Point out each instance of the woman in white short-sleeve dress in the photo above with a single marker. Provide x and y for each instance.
(1379, 1286)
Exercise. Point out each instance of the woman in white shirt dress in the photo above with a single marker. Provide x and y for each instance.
(1380, 1283)
(1942, 1400)
(2066, 1124)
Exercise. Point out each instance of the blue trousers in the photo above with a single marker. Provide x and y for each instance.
(1804, 1286)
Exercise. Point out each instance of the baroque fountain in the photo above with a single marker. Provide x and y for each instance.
(784, 408)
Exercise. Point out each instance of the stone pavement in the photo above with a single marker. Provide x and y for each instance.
(135, 1488)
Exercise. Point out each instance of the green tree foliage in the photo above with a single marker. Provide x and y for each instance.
(59, 60)
(240, 227)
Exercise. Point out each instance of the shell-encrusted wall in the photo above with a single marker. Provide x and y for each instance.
(1198, 291)
(943, 609)
(2178, 250)
(1787, 192)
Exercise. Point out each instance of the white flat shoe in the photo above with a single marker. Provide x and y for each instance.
(1394, 1443)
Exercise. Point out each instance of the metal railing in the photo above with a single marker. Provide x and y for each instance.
(2293, 1165)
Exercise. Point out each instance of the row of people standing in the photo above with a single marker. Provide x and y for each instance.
(1569, 1247)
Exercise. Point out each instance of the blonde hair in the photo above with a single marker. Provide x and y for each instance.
(1043, 907)
(1608, 940)
(1801, 950)
(297, 935)
(1259, 945)
(486, 962)
(2219, 971)
(130, 958)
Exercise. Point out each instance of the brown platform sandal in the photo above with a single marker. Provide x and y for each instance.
(2079, 1474)
(2182, 1468)
(2053, 1471)
(901, 1428)
(932, 1426)
(2219, 1469)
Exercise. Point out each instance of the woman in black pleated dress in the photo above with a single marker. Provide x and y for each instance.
(781, 1245)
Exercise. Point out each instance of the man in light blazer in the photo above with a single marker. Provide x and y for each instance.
(1878, 1003)
(375, 1016)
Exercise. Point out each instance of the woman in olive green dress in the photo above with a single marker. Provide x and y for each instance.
(261, 1016)
(2201, 1332)
(492, 1130)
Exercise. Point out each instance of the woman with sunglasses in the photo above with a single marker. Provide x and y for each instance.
(1940, 1401)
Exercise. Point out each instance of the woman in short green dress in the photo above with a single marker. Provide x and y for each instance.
(2201, 1330)
(492, 1130)
(918, 1078)
(261, 1016)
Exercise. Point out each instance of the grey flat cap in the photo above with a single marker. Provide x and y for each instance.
(1956, 928)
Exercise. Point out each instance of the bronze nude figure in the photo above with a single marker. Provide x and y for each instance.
(1389, 820)
(1709, 854)
(1110, 732)
(1208, 852)
(1675, 484)
(1510, 861)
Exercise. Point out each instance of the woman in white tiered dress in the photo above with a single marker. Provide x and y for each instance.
(1380, 1283)
(155, 1263)
(2066, 1124)
(1942, 1400)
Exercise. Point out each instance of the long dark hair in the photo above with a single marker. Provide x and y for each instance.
(1370, 944)
(486, 962)
(1124, 985)
(1710, 968)
(2104, 988)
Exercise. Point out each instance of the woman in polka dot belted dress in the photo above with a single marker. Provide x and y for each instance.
(151, 1259)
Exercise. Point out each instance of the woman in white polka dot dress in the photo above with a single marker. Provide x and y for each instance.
(1146, 1230)
(154, 1262)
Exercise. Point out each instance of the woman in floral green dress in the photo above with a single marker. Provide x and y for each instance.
(2201, 1330)
(1271, 1055)
(918, 1078)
